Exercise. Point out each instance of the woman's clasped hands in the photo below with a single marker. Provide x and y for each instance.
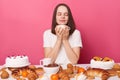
(62, 32)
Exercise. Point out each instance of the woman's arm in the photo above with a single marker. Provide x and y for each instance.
(53, 52)
(72, 53)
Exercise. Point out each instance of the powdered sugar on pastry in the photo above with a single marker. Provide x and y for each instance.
(80, 76)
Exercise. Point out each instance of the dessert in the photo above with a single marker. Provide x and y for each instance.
(106, 59)
(96, 72)
(39, 71)
(32, 76)
(80, 76)
(16, 74)
(105, 63)
(116, 67)
(4, 74)
(17, 61)
(96, 58)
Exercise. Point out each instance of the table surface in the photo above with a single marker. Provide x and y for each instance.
(81, 65)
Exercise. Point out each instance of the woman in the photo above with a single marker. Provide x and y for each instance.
(62, 45)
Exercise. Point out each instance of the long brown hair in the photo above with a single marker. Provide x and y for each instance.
(70, 23)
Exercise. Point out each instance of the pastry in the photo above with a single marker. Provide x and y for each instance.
(60, 69)
(75, 69)
(105, 63)
(16, 74)
(4, 74)
(31, 67)
(32, 76)
(69, 65)
(39, 71)
(65, 78)
(106, 59)
(69, 70)
(116, 67)
(96, 72)
(96, 58)
(112, 72)
(60, 74)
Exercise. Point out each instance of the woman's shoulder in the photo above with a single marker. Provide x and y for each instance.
(76, 32)
(47, 31)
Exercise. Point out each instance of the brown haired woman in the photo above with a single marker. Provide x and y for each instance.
(62, 42)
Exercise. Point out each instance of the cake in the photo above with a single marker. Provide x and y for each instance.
(103, 63)
(17, 61)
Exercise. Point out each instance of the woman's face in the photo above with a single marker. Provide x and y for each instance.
(62, 15)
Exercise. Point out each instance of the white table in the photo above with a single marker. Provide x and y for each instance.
(81, 65)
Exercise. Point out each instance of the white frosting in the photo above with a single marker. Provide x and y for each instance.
(101, 64)
(80, 76)
(17, 61)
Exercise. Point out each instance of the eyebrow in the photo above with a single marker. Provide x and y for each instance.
(61, 12)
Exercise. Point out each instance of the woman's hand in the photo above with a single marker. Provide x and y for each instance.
(62, 32)
(66, 33)
(59, 32)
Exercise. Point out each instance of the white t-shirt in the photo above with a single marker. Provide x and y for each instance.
(50, 40)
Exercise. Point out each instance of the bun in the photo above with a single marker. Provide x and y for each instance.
(96, 58)
(106, 59)
(116, 67)
(69, 65)
(4, 75)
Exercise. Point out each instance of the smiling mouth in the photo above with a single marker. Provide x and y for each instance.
(62, 20)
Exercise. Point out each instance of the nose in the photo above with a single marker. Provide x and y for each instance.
(62, 16)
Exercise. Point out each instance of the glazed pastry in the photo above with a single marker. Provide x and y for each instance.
(32, 76)
(61, 74)
(16, 74)
(112, 72)
(75, 69)
(106, 59)
(69, 70)
(96, 72)
(39, 71)
(72, 75)
(69, 65)
(65, 78)
(96, 58)
(118, 73)
(31, 67)
(60, 69)
(4, 74)
(116, 67)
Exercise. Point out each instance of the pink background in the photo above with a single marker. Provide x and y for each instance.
(22, 23)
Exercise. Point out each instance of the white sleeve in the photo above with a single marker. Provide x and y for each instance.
(77, 41)
(46, 39)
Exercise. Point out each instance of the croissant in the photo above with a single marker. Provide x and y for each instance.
(96, 72)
